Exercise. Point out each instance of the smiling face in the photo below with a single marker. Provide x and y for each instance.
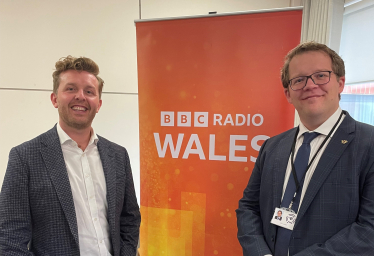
(314, 103)
(77, 99)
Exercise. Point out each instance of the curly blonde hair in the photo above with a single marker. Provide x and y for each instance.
(79, 64)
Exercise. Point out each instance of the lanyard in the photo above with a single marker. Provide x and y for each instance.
(311, 161)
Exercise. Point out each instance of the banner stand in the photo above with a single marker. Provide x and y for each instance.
(209, 95)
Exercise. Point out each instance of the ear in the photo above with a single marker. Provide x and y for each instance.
(287, 93)
(341, 83)
(54, 100)
(100, 103)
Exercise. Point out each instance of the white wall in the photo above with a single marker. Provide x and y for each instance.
(35, 34)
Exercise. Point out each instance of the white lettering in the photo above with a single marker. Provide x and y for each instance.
(217, 118)
(167, 118)
(234, 147)
(254, 119)
(201, 119)
(212, 146)
(184, 119)
(190, 150)
(229, 120)
(237, 123)
(168, 141)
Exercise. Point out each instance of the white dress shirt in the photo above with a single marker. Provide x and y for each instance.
(324, 129)
(87, 182)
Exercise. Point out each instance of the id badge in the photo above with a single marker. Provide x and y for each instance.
(284, 218)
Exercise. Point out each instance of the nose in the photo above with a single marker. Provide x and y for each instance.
(309, 84)
(80, 95)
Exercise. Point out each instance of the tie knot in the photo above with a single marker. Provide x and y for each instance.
(309, 136)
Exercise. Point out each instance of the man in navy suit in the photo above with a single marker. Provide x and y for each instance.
(335, 196)
(70, 191)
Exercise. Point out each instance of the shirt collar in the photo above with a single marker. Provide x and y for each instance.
(324, 128)
(65, 139)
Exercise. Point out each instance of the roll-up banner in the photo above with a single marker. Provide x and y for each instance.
(209, 95)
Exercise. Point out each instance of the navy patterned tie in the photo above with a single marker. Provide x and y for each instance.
(301, 163)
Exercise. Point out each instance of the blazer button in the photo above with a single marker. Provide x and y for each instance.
(272, 238)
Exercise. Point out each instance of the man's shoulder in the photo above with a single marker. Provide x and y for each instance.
(275, 140)
(363, 132)
(112, 145)
(364, 136)
(29, 150)
(364, 127)
(284, 134)
(45, 137)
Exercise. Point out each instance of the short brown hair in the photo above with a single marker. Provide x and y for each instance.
(336, 62)
(79, 64)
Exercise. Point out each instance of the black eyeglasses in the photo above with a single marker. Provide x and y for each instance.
(318, 78)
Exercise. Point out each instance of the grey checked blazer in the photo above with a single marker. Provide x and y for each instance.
(336, 216)
(36, 202)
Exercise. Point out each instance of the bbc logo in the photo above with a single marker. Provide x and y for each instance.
(184, 119)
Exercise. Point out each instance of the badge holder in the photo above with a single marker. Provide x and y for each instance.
(284, 217)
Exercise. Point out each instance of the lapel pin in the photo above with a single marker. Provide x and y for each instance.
(344, 141)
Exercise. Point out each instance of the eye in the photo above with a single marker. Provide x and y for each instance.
(298, 80)
(90, 92)
(321, 75)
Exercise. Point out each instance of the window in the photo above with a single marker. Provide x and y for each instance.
(357, 51)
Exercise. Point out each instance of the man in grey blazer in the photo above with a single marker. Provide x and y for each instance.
(335, 197)
(69, 191)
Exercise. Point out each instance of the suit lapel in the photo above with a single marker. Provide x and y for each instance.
(330, 156)
(107, 160)
(282, 154)
(54, 160)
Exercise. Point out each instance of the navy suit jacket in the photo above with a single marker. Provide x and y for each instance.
(37, 207)
(336, 216)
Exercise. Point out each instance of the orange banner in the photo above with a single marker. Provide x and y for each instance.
(209, 95)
